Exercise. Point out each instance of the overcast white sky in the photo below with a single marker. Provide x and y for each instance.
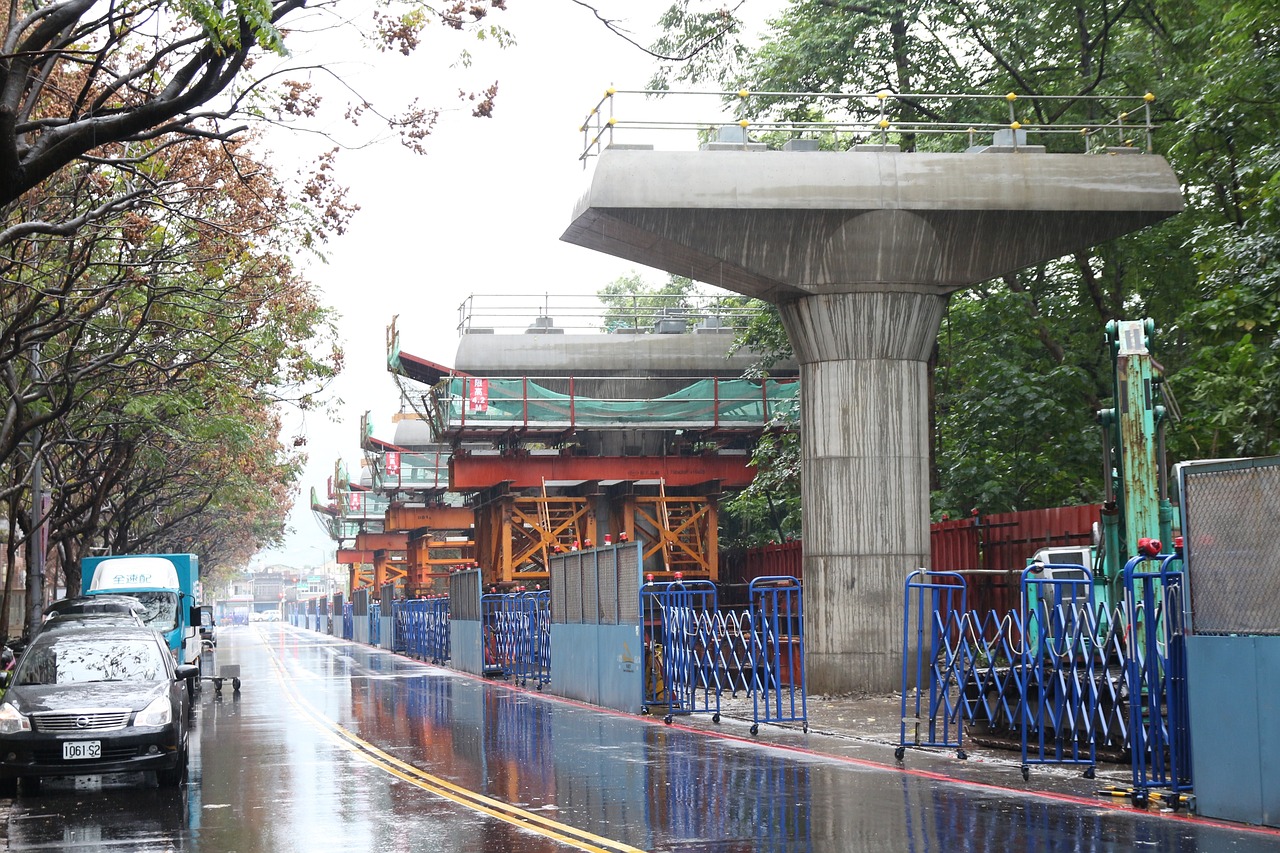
(482, 213)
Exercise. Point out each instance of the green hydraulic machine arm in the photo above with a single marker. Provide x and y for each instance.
(1136, 502)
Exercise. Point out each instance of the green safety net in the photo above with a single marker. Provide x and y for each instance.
(706, 403)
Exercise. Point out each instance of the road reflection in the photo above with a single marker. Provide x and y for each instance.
(334, 747)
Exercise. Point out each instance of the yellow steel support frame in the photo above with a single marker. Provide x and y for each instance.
(387, 569)
(682, 530)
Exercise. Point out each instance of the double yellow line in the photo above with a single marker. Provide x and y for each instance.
(473, 800)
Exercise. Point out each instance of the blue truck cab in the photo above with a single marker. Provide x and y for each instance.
(167, 586)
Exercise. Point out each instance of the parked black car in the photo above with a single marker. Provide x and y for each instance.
(94, 700)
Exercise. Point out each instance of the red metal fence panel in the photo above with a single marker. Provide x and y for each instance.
(995, 547)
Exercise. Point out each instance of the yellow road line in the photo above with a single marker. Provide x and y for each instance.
(473, 800)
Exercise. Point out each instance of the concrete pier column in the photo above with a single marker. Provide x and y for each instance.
(864, 417)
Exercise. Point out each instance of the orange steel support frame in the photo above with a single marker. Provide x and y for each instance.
(436, 518)
(430, 559)
(515, 534)
(378, 558)
(681, 531)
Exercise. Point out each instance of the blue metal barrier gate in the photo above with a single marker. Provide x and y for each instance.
(1062, 674)
(517, 636)
(933, 604)
(694, 651)
(423, 627)
(683, 639)
(777, 652)
(1158, 716)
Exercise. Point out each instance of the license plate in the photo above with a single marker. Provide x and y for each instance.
(74, 750)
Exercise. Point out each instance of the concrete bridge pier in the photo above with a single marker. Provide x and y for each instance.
(864, 415)
(859, 250)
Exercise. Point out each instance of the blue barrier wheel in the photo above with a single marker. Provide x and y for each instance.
(1089, 773)
(961, 754)
(899, 752)
(667, 719)
(715, 718)
(1139, 799)
(755, 728)
(1026, 773)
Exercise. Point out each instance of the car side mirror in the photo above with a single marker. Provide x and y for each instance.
(195, 616)
(6, 676)
(186, 672)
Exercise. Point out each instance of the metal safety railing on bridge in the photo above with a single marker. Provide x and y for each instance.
(877, 118)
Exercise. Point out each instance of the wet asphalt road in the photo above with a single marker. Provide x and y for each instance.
(336, 747)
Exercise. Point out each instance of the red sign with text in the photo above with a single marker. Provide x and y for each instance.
(477, 395)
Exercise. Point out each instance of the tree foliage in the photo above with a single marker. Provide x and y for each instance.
(153, 312)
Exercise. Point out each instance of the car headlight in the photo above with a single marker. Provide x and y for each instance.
(158, 713)
(12, 720)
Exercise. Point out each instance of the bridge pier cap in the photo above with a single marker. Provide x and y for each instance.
(859, 249)
(781, 225)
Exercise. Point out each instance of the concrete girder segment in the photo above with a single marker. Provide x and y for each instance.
(859, 251)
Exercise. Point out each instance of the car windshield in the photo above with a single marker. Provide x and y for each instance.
(77, 660)
(160, 609)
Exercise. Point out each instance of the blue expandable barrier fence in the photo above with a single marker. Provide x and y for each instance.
(1158, 715)
(517, 636)
(1062, 673)
(695, 652)
(777, 652)
(1060, 665)
(685, 648)
(533, 645)
(423, 626)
